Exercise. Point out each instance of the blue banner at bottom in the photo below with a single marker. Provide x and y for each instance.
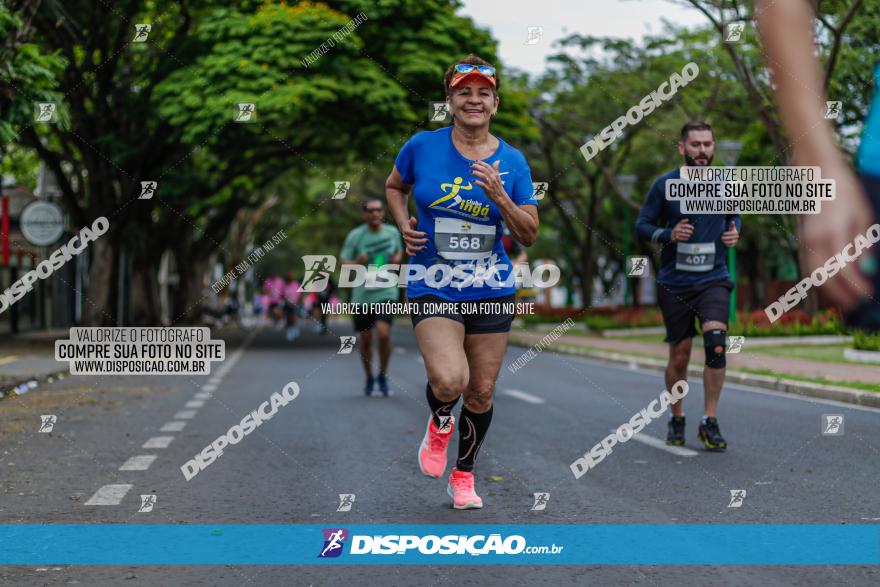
(432, 544)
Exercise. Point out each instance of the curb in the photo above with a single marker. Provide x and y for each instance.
(803, 388)
(26, 384)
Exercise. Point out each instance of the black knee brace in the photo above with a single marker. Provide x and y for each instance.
(712, 339)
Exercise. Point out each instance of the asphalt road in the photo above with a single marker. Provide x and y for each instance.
(332, 440)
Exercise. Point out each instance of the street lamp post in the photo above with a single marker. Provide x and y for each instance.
(729, 152)
(625, 184)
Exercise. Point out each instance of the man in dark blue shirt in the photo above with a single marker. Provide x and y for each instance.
(693, 283)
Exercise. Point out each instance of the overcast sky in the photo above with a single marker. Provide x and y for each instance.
(509, 21)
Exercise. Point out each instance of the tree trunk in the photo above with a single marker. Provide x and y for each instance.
(144, 296)
(99, 295)
(190, 296)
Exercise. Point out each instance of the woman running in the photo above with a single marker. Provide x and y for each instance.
(468, 184)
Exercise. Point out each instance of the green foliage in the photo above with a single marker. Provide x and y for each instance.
(866, 341)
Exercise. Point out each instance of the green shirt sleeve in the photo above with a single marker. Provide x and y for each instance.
(348, 251)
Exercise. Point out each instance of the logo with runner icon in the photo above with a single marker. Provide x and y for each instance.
(346, 500)
(637, 266)
(346, 345)
(832, 424)
(47, 422)
(737, 497)
(541, 500)
(147, 502)
(735, 344)
(318, 270)
(540, 189)
(454, 202)
(334, 541)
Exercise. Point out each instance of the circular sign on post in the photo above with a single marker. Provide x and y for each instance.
(42, 223)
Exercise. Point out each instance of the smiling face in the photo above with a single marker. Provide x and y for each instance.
(473, 102)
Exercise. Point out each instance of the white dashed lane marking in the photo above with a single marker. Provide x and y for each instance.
(176, 426)
(526, 397)
(202, 395)
(109, 495)
(185, 415)
(196, 403)
(209, 387)
(138, 463)
(657, 443)
(158, 442)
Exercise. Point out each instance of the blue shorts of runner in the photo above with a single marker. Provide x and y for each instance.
(867, 315)
(494, 319)
(682, 305)
(367, 321)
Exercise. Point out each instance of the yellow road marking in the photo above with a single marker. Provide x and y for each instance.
(9, 359)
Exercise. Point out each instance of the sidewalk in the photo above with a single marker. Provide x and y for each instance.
(29, 357)
(654, 355)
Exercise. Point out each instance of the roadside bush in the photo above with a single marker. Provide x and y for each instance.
(866, 341)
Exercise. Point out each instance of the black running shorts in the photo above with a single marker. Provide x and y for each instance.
(681, 305)
(478, 316)
(368, 320)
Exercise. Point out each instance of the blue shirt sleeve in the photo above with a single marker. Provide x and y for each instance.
(522, 191)
(647, 224)
(406, 163)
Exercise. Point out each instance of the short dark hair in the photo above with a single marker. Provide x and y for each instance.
(366, 203)
(471, 60)
(694, 125)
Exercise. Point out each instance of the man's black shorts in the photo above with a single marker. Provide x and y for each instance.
(367, 321)
(490, 316)
(680, 305)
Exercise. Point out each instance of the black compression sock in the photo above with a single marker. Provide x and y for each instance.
(438, 407)
(472, 430)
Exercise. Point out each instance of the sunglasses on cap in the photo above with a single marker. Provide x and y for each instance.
(468, 68)
(464, 70)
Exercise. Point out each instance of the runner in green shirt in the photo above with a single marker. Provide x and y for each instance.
(373, 244)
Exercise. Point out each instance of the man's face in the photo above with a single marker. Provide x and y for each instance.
(698, 149)
(374, 212)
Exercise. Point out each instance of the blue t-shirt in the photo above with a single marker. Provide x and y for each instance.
(463, 226)
(656, 220)
(869, 149)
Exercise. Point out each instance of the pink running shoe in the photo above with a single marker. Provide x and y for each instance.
(461, 490)
(432, 453)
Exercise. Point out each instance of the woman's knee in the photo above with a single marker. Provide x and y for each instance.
(478, 398)
(448, 386)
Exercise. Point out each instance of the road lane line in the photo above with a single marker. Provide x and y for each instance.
(138, 463)
(158, 442)
(202, 395)
(196, 403)
(209, 387)
(175, 426)
(109, 494)
(526, 397)
(185, 415)
(9, 359)
(215, 380)
(661, 444)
